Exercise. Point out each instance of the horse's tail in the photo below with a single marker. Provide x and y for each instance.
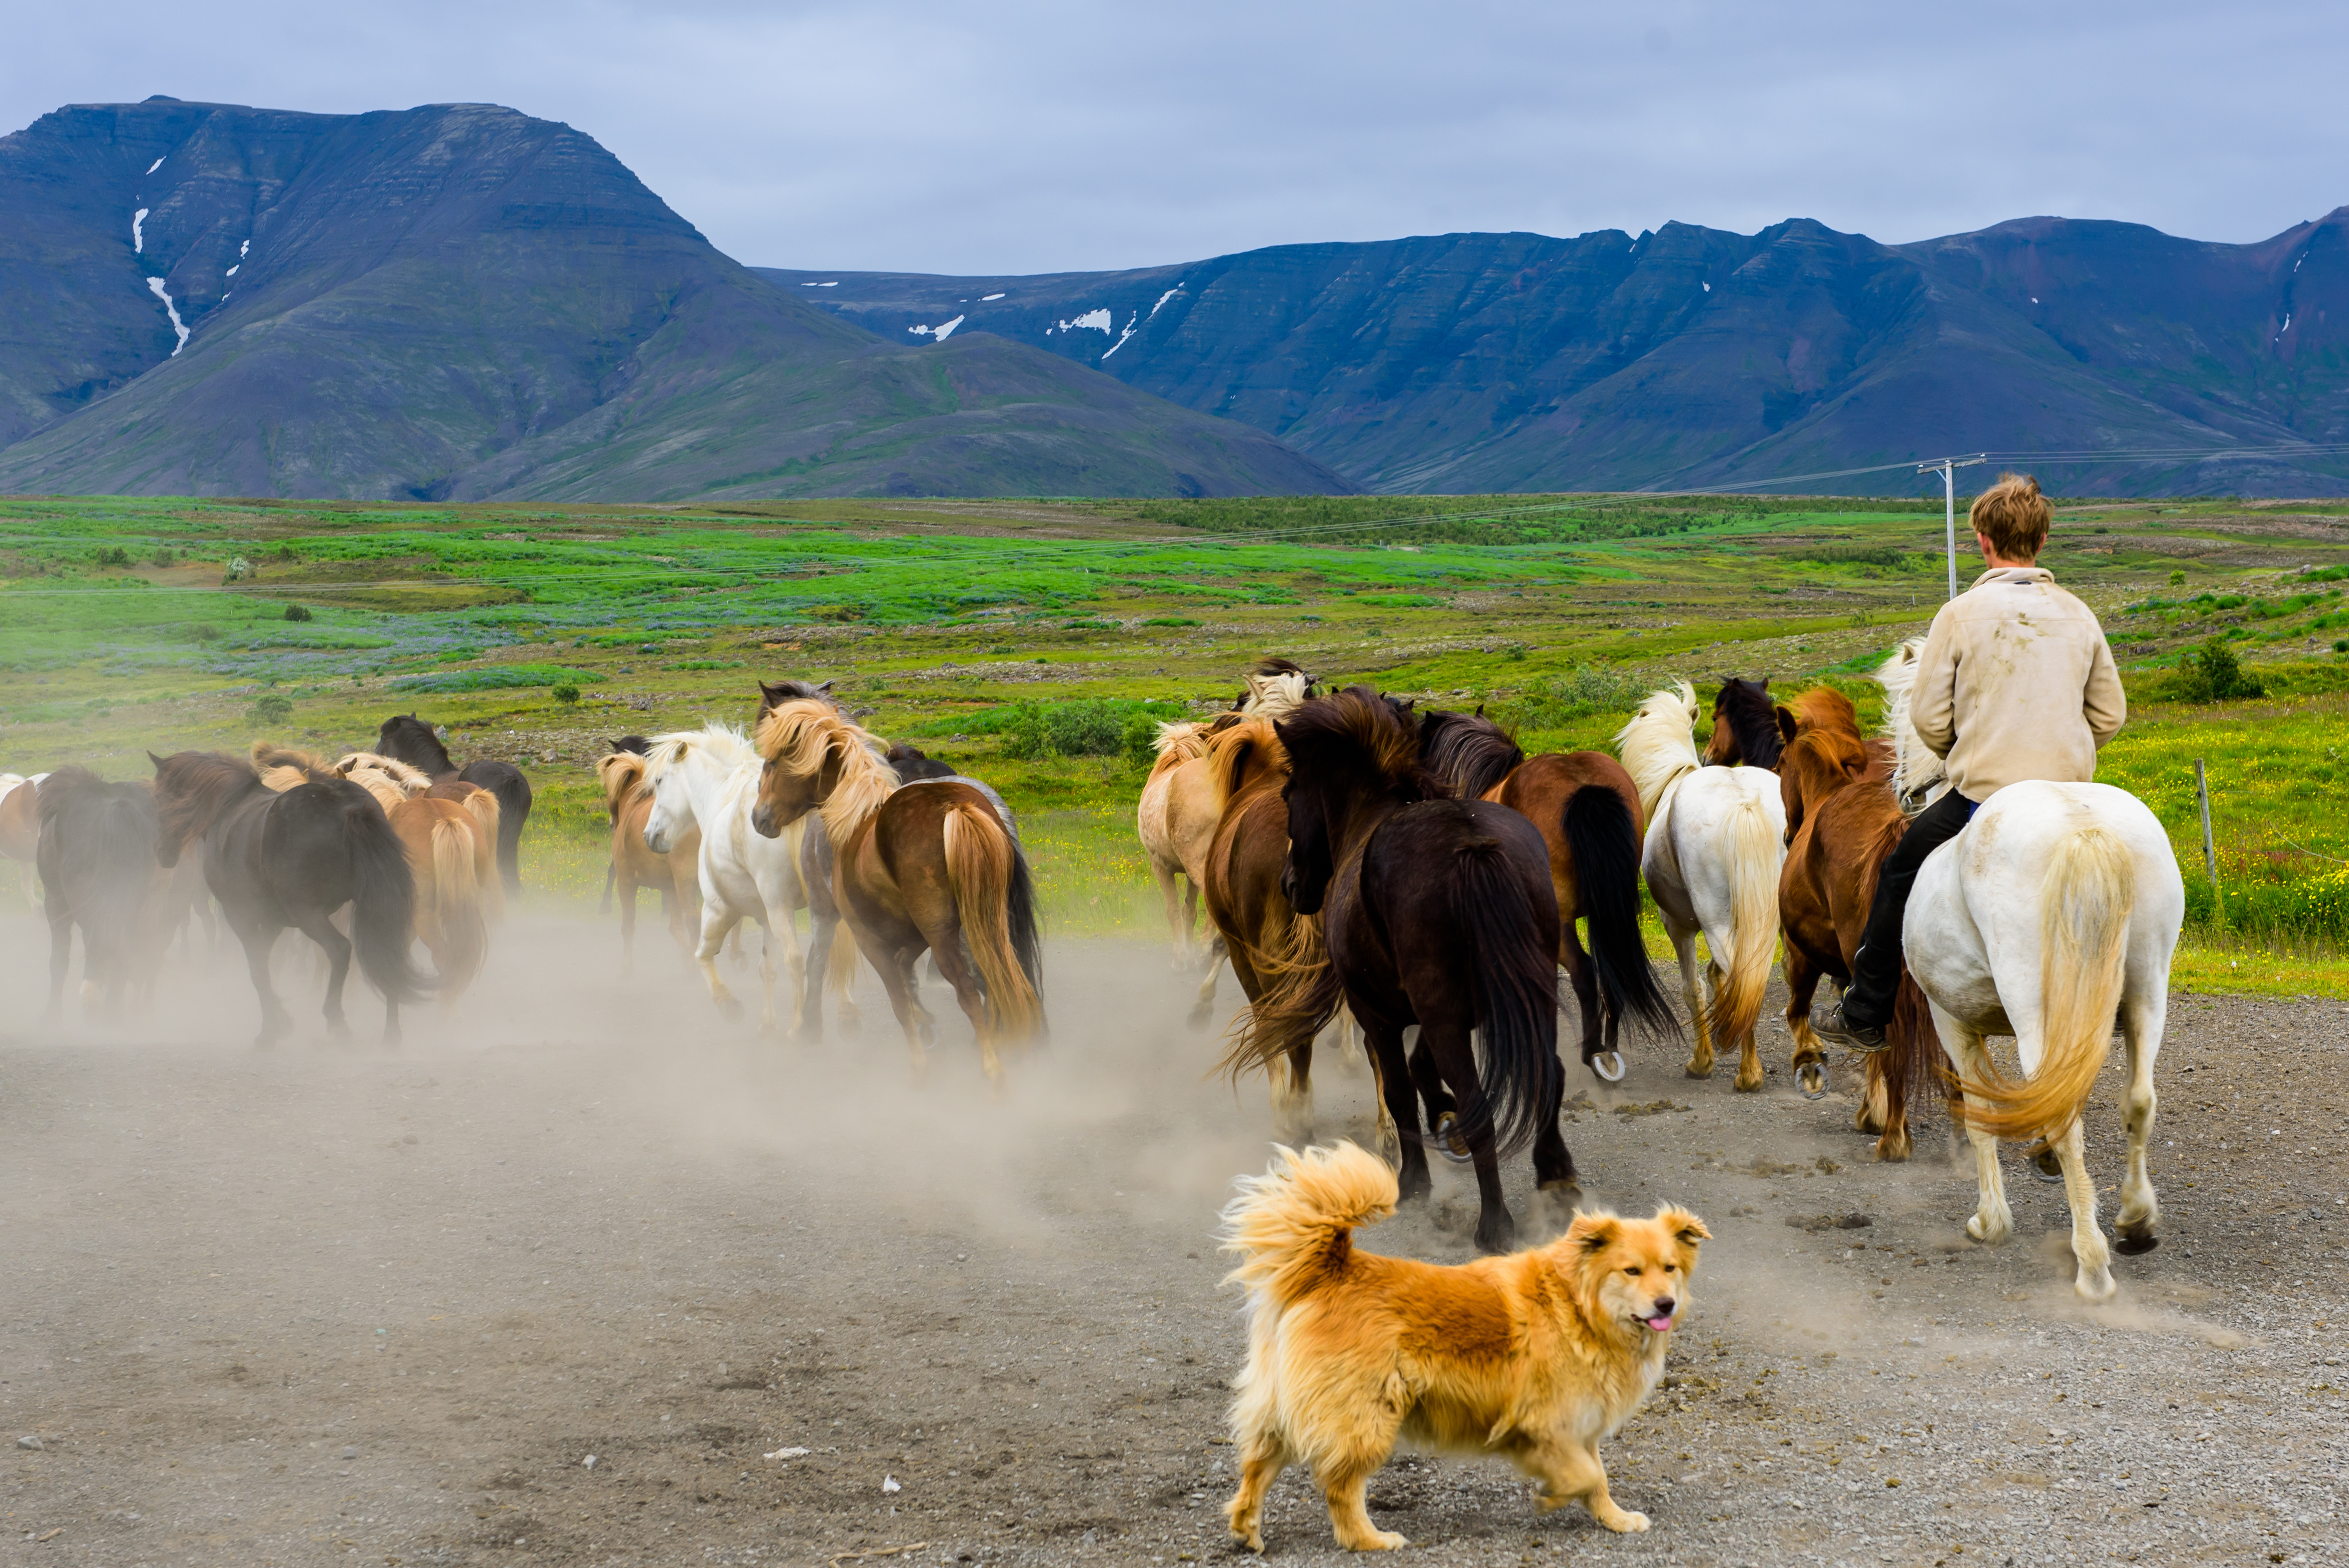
(840, 966)
(1514, 979)
(1752, 859)
(457, 898)
(1302, 993)
(1606, 848)
(383, 905)
(2085, 906)
(1294, 1224)
(995, 902)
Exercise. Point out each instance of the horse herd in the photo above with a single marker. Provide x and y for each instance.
(1409, 875)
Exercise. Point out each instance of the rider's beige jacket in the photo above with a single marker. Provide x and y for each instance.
(2016, 682)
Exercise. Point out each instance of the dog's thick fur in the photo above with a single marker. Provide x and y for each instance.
(1533, 1358)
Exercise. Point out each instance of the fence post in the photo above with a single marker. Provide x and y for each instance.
(2209, 851)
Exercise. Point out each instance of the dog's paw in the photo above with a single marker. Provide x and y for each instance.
(1377, 1540)
(1626, 1523)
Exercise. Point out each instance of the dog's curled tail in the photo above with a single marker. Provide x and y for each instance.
(1294, 1224)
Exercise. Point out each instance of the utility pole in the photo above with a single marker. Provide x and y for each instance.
(1948, 468)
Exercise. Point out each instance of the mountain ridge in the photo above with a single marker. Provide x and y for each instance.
(419, 303)
(1686, 357)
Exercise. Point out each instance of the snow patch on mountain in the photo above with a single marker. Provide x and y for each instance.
(155, 286)
(137, 229)
(941, 332)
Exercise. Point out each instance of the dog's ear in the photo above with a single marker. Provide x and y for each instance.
(1594, 1233)
(1684, 1227)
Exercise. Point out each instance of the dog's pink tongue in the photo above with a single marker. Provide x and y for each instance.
(1661, 1325)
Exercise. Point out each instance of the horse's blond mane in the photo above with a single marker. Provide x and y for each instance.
(1229, 750)
(1274, 695)
(1658, 746)
(409, 778)
(1178, 742)
(1915, 768)
(799, 736)
(724, 742)
(618, 774)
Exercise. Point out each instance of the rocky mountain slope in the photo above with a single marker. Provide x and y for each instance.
(461, 302)
(1691, 356)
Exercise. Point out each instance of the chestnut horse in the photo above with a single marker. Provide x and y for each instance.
(411, 740)
(1843, 822)
(675, 875)
(928, 866)
(1437, 913)
(1176, 815)
(1589, 815)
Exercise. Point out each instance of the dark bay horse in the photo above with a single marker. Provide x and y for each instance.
(930, 866)
(293, 859)
(1437, 913)
(1842, 821)
(1587, 809)
(1745, 726)
(95, 853)
(411, 740)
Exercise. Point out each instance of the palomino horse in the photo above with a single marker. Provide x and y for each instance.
(927, 867)
(1844, 822)
(292, 859)
(20, 824)
(1437, 913)
(1716, 841)
(1590, 818)
(1176, 818)
(411, 740)
(97, 859)
(676, 876)
(709, 779)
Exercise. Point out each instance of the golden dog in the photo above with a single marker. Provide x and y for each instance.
(1533, 1358)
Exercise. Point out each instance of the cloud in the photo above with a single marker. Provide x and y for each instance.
(1025, 137)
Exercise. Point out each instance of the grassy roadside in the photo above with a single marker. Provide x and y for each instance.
(133, 625)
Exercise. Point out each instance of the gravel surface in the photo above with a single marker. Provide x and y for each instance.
(334, 1304)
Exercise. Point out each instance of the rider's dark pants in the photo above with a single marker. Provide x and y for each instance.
(1876, 968)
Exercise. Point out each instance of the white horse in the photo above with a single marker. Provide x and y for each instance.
(2054, 913)
(708, 777)
(1716, 839)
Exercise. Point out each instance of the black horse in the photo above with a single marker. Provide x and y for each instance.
(293, 859)
(95, 855)
(1437, 913)
(1745, 726)
(409, 739)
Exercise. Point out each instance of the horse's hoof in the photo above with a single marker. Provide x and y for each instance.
(2130, 1247)
(1455, 1150)
(729, 1009)
(1694, 1071)
(2047, 1168)
(1500, 1236)
(1811, 1077)
(1598, 1064)
(1201, 1015)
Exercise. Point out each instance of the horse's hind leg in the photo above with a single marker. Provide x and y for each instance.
(259, 943)
(1810, 1058)
(2094, 1281)
(1700, 1062)
(1395, 1087)
(1992, 1222)
(628, 926)
(2142, 1019)
(1203, 1007)
(60, 950)
(1583, 975)
(1177, 932)
(1557, 1188)
(1872, 1113)
(320, 929)
(1292, 1095)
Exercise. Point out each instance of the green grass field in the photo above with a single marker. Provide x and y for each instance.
(1006, 634)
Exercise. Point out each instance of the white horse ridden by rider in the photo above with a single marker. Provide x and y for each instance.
(1716, 840)
(710, 778)
(2054, 913)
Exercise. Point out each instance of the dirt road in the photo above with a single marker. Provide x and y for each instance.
(333, 1304)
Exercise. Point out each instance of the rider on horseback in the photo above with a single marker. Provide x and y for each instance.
(2016, 682)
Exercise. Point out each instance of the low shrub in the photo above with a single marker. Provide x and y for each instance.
(1573, 693)
(2213, 674)
(270, 708)
(298, 612)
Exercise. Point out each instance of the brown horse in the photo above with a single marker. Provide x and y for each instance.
(1588, 812)
(1745, 726)
(927, 867)
(1842, 821)
(1438, 914)
(675, 875)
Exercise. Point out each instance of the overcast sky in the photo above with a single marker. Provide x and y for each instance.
(1028, 136)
